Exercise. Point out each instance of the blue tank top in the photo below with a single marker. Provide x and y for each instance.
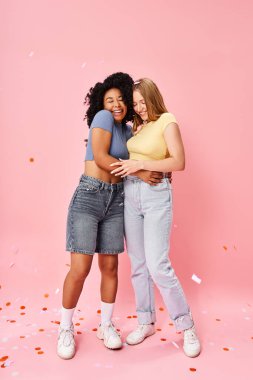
(120, 134)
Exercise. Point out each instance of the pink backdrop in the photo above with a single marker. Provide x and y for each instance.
(199, 54)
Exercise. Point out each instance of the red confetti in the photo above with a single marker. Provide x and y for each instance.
(218, 320)
(44, 308)
(79, 332)
(22, 313)
(3, 366)
(225, 349)
(193, 369)
(22, 307)
(22, 336)
(40, 330)
(158, 329)
(134, 316)
(95, 329)
(129, 316)
(40, 352)
(37, 348)
(46, 295)
(171, 324)
(99, 311)
(163, 339)
(3, 358)
(31, 159)
(8, 304)
(161, 308)
(81, 319)
(77, 324)
(225, 247)
(12, 321)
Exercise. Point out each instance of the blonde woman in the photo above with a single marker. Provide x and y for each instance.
(156, 146)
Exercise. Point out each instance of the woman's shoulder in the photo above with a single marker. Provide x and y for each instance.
(167, 117)
(103, 119)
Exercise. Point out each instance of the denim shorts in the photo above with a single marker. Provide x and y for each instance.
(96, 217)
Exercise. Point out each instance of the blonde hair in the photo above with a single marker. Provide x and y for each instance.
(153, 99)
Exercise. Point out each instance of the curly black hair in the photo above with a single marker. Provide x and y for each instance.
(95, 96)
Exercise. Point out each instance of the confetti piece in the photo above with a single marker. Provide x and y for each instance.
(8, 304)
(192, 369)
(129, 316)
(175, 344)
(57, 291)
(37, 348)
(83, 65)
(99, 311)
(31, 54)
(134, 316)
(22, 313)
(11, 265)
(31, 159)
(46, 295)
(226, 349)
(68, 265)
(22, 337)
(40, 330)
(158, 329)
(79, 332)
(3, 358)
(161, 308)
(225, 247)
(77, 324)
(163, 339)
(171, 324)
(218, 320)
(1, 309)
(95, 329)
(81, 319)
(196, 279)
(178, 332)
(13, 321)
(40, 352)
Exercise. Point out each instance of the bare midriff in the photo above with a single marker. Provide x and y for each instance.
(92, 170)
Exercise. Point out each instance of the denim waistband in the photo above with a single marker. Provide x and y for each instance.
(135, 178)
(101, 184)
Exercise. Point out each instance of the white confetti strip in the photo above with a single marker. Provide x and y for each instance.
(31, 54)
(196, 279)
(57, 291)
(11, 265)
(15, 373)
(83, 65)
(175, 344)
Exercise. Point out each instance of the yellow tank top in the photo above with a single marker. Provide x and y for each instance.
(149, 143)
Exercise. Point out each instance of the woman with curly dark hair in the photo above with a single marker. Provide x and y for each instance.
(95, 216)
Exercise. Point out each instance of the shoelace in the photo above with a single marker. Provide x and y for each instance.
(68, 337)
(112, 328)
(190, 336)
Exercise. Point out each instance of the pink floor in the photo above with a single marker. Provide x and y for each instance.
(29, 320)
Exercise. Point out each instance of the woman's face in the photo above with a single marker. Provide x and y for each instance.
(113, 102)
(139, 105)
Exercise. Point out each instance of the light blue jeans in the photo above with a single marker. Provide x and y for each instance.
(148, 220)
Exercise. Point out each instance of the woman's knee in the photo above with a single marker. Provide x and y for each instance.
(109, 267)
(79, 274)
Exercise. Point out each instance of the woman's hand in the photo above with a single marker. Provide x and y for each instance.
(152, 178)
(126, 167)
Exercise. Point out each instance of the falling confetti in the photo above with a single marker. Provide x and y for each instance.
(163, 339)
(83, 65)
(4, 358)
(175, 344)
(225, 247)
(57, 291)
(22, 307)
(37, 348)
(95, 329)
(158, 329)
(99, 311)
(31, 159)
(11, 265)
(129, 316)
(161, 308)
(192, 369)
(8, 304)
(46, 295)
(225, 349)
(196, 279)
(40, 352)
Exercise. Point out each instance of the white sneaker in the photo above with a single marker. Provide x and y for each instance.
(137, 336)
(66, 343)
(191, 343)
(109, 334)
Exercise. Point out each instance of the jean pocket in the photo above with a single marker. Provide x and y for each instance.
(88, 187)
